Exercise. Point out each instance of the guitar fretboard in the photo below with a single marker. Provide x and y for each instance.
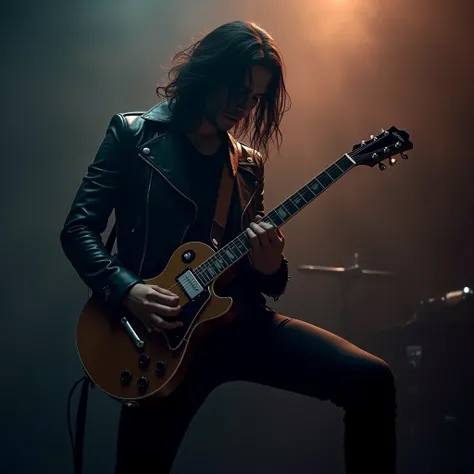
(228, 255)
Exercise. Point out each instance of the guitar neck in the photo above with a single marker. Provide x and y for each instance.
(237, 248)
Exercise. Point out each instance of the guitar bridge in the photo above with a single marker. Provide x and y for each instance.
(190, 284)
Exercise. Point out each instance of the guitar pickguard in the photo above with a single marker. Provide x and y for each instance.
(188, 315)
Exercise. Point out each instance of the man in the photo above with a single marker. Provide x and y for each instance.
(160, 171)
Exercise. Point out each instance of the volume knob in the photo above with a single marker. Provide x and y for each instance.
(144, 361)
(160, 368)
(125, 377)
(142, 384)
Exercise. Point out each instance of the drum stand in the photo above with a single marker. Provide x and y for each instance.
(347, 276)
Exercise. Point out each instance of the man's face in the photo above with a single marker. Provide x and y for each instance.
(226, 117)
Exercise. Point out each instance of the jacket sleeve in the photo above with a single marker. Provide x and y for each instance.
(271, 285)
(94, 201)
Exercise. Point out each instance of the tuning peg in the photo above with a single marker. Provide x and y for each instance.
(386, 149)
(372, 137)
(382, 167)
(404, 156)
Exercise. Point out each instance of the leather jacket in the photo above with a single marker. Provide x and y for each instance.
(135, 173)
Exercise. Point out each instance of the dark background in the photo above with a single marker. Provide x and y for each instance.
(352, 68)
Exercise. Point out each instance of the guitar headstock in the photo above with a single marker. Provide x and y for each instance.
(382, 147)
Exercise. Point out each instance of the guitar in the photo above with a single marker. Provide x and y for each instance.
(129, 362)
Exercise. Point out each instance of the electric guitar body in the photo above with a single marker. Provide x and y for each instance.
(127, 361)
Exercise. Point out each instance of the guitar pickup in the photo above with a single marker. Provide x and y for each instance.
(190, 284)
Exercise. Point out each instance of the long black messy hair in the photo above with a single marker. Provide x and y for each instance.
(225, 56)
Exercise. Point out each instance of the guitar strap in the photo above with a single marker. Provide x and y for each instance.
(223, 202)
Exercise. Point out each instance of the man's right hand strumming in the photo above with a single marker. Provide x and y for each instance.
(150, 303)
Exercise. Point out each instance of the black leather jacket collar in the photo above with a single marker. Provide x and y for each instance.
(162, 113)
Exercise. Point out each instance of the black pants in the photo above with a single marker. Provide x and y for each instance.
(281, 352)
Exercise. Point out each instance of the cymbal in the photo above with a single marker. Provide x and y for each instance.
(343, 270)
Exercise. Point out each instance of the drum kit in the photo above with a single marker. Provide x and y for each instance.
(432, 357)
(439, 308)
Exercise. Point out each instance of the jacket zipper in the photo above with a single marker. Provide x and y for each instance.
(243, 213)
(178, 191)
(246, 207)
(145, 244)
